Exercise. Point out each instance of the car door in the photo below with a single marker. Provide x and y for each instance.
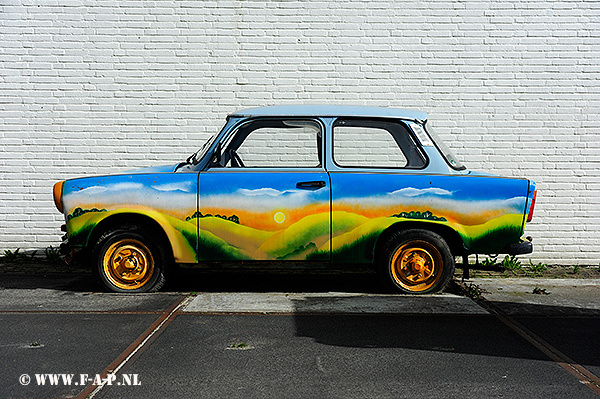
(373, 164)
(267, 195)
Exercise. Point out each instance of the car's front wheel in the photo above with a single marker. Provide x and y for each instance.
(415, 262)
(127, 259)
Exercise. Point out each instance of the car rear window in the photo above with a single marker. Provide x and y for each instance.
(364, 143)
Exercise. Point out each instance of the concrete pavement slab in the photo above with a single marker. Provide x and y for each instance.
(72, 293)
(331, 303)
(304, 343)
(562, 313)
(542, 296)
(80, 344)
(344, 356)
(46, 300)
(577, 337)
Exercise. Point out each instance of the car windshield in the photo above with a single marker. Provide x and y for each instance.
(445, 150)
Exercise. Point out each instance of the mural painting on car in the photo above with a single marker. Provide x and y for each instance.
(242, 218)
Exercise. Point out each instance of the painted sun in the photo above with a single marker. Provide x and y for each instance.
(279, 217)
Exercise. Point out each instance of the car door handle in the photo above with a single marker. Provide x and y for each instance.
(311, 185)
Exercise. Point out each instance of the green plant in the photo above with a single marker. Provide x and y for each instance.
(511, 263)
(17, 257)
(10, 256)
(575, 269)
(472, 291)
(490, 262)
(537, 269)
(53, 255)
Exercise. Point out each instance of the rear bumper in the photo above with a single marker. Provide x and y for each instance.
(522, 248)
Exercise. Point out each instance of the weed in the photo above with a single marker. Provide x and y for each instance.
(540, 291)
(53, 255)
(511, 263)
(490, 262)
(537, 269)
(17, 257)
(575, 269)
(240, 345)
(473, 291)
(11, 256)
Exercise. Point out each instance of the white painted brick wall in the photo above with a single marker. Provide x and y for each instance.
(100, 86)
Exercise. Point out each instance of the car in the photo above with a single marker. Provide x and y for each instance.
(312, 184)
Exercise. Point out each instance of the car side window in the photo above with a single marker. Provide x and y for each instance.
(363, 143)
(268, 143)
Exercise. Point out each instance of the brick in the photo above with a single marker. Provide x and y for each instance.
(512, 87)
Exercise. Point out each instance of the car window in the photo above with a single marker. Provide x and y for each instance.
(375, 144)
(445, 150)
(275, 144)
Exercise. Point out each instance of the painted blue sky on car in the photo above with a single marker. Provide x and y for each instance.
(412, 186)
(260, 191)
(176, 192)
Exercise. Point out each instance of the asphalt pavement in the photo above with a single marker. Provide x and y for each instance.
(298, 335)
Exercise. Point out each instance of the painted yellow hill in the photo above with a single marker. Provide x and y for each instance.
(313, 229)
(84, 221)
(343, 222)
(239, 236)
(371, 226)
(514, 220)
(213, 248)
(183, 251)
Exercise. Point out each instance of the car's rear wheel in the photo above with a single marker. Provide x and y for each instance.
(415, 262)
(127, 259)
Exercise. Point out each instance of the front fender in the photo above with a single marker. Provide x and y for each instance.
(165, 200)
(84, 229)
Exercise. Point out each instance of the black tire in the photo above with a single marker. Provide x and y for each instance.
(415, 262)
(128, 259)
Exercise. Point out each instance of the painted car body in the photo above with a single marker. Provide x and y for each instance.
(211, 209)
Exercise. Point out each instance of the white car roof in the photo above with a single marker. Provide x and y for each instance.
(304, 110)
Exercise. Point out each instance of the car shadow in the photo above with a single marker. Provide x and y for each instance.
(573, 330)
(203, 280)
(50, 281)
(275, 280)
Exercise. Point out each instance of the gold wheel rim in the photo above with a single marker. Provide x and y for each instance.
(128, 264)
(417, 266)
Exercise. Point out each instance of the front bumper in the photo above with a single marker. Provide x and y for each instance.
(71, 254)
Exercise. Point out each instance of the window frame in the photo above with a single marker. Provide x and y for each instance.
(379, 124)
(228, 142)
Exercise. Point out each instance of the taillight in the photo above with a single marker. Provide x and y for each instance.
(530, 215)
(57, 193)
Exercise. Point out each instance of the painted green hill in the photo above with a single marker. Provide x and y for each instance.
(313, 229)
